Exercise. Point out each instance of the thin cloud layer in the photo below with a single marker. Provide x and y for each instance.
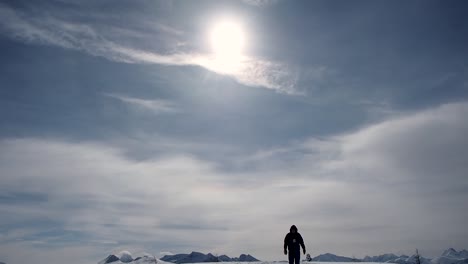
(93, 191)
(156, 106)
(260, 2)
(55, 31)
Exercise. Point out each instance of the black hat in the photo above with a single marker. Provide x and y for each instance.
(293, 227)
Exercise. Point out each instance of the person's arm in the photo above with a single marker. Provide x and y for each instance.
(286, 244)
(301, 241)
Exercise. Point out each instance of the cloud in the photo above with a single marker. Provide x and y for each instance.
(93, 190)
(20, 251)
(260, 2)
(421, 147)
(95, 41)
(176, 203)
(352, 192)
(425, 148)
(156, 106)
(407, 173)
(164, 253)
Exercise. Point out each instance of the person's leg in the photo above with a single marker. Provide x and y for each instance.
(291, 257)
(297, 257)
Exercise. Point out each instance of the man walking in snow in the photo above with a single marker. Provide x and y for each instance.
(292, 243)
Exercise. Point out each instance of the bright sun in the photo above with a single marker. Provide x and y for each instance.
(227, 41)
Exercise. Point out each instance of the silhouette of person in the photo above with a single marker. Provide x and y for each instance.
(292, 243)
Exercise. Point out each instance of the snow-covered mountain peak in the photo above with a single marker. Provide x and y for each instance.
(452, 253)
(109, 259)
(125, 257)
(449, 252)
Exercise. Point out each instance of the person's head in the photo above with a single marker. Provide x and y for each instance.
(293, 229)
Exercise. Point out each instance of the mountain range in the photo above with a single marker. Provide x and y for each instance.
(328, 257)
(196, 257)
(449, 256)
(126, 257)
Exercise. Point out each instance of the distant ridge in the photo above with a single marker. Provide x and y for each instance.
(197, 257)
(328, 257)
(109, 259)
(126, 257)
(383, 258)
(449, 256)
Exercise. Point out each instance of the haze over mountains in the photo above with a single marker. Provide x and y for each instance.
(449, 256)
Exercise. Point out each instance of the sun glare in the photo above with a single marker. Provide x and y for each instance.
(227, 40)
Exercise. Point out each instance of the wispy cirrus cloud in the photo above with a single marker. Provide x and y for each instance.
(156, 106)
(50, 30)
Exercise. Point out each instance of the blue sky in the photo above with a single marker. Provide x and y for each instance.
(120, 130)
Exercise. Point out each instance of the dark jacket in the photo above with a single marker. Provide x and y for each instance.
(293, 241)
